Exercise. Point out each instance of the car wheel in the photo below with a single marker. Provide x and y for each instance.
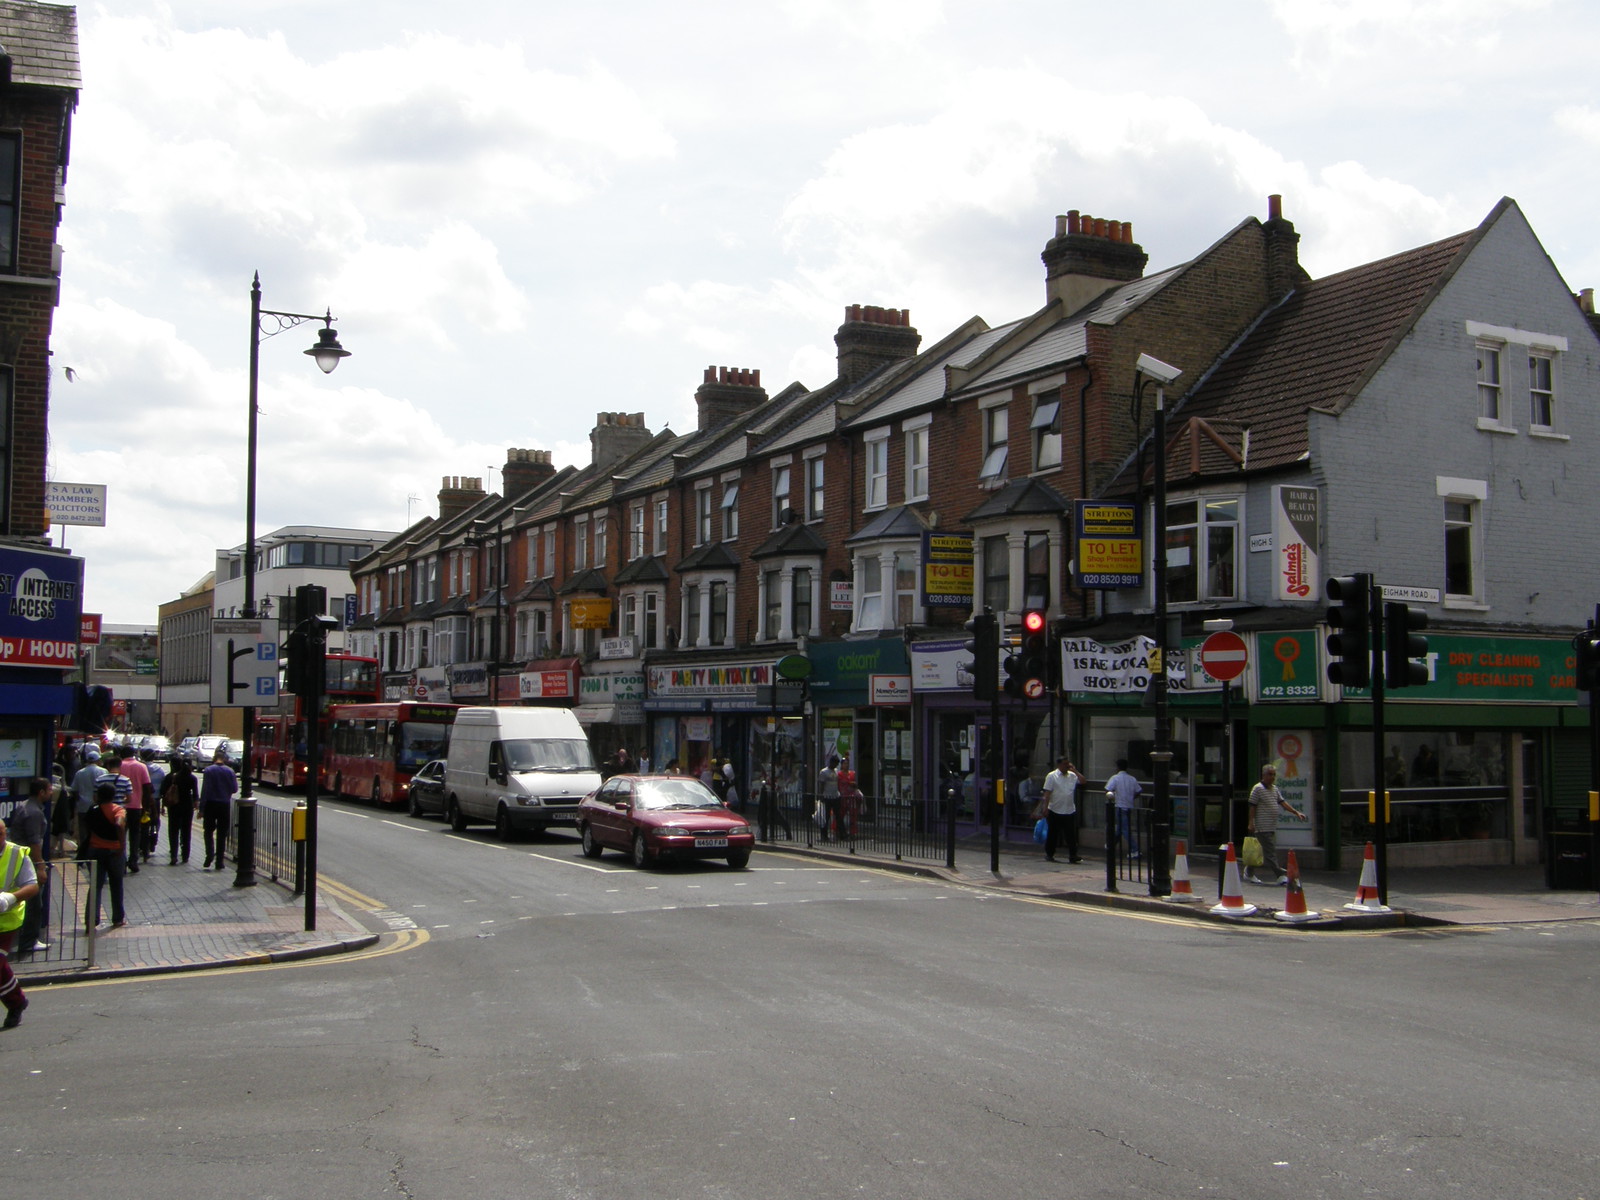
(457, 822)
(639, 854)
(591, 847)
(416, 806)
(502, 823)
(739, 859)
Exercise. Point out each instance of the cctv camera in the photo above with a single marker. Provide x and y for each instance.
(1155, 369)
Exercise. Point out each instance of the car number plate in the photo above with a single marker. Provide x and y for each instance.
(563, 816)
(710, 843)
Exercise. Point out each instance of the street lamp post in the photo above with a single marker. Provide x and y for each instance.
(327, 353)
(1161, 755)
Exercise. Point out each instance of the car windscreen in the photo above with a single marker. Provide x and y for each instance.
(674, 793)
(419, 742)
(547, 754)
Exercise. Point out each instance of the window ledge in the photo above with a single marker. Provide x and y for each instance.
(1549, 435)
(1462, 604)
(1488, 426)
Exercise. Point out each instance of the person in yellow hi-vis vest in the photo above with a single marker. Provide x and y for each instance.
(19, 883)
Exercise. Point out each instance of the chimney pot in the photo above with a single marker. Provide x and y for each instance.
(1274, 208)
(1073, 221)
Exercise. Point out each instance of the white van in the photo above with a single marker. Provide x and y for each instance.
(517, 768)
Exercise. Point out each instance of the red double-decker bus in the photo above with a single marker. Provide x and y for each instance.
(373, 750)
(278, 744)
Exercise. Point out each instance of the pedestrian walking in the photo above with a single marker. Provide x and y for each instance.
(108, 823)
(30, 830)
(19, 883)
(140, 803)
(179, 796)
(828, 793)
(768, 812)
(217, 786)
(1060, 805)
(158, 777)
(1124, 790)
(1265, 801)
(84, 781)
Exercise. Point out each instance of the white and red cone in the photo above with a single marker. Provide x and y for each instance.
(1182, 889)
(1294, 906)
(1367, 890)
(1233, 902)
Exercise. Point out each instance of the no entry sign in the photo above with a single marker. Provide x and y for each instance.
(1224, 656)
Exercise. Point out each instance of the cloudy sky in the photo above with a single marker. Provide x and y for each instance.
(523, 213)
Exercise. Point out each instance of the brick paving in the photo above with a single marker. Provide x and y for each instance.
(183, 918)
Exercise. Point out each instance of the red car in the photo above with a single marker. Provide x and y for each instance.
(658, 817)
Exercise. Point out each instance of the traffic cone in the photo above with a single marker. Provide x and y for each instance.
(1233, 901)
(1294, 908)
(1182, 891)
(1367, 890)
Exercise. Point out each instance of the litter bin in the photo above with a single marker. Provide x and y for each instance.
(1567, 860)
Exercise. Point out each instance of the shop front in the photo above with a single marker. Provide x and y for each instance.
(550, 682)
(861, 693)
(1478, 761)
(41, 615)
(611, 703)
(958, 742)
(701, 714)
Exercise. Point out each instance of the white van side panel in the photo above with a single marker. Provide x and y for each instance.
(532, 800)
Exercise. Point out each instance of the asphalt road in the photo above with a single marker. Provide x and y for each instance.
(580, 1029)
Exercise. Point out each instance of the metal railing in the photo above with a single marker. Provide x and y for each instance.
(1127, 845)
(278, 856)
(66, 887)
(898, 829)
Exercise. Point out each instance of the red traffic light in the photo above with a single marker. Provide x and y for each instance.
(1033, 621)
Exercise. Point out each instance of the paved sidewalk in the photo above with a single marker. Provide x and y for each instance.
(185, 918)
(1418, 896)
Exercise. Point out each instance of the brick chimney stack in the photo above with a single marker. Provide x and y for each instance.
(459, 493)
(1087, 257)
(1284, 272)
(617, 435)
(872, 336)
(726, 393)
(524, 471)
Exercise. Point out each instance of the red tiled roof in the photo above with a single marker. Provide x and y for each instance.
(1315, 350)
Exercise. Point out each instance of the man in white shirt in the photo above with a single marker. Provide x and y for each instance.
(1061, 809)
(1124, 790)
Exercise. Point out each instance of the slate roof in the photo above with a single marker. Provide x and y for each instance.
(42, 40)
(643, 570)
(795, 538)
(1317, 350)
(901, 521)
(1020, 497)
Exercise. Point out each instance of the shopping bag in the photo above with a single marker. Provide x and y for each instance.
(1041, 828)
(1251, 853)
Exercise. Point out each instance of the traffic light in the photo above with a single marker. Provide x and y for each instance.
(1028, 670)
(307, 641)
(298, 675)
(1586, 659)
(1402, 643)
(984, 647)
(1350, 646)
